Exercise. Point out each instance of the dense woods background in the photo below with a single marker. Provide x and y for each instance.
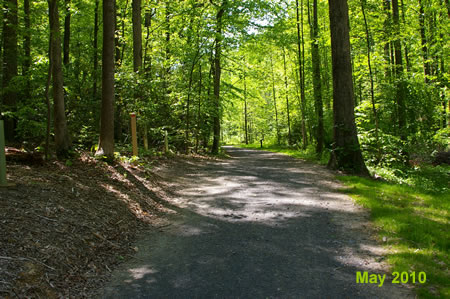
(227, 71)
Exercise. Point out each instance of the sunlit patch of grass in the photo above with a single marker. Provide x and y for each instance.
(415, 225)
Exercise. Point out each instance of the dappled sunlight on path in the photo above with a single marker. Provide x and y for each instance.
(258, 225)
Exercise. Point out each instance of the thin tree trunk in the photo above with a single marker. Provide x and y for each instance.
(199, 106)
(286, 86)
(9, 94)
(245, 108)
(27, 47)
(66, 44)
(137, 35)
(426, 63)
(369, 63)
(277, 127)
(300, 70)
(60, 123)
(346, 152)
(47, 99)
(106, 143)
(400, 94)
(217, 74)
(317, 81)
(147, 60)
(95, 58)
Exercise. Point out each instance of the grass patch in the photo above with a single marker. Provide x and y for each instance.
(415, 224)
(410, 210)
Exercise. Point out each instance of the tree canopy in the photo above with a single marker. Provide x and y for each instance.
(224, 71)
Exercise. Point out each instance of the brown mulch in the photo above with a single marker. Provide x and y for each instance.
(66, 225)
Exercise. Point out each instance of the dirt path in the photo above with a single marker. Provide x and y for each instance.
(258, 225)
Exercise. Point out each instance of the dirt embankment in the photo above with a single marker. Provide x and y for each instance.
(65, 226)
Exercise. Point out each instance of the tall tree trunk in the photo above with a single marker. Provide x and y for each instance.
(277, 127)
(66, 44)
(217, 74)
(147, 64)
(369, 63)
(27, 47)
(401, 88)
(10, 23)
(387, 36)
(245, 107)
(346, 152)
(106, 143)
(300, 71)
(317, 81)
(137, 35)
(95, 58)
(60, 122)
(426, 63)
(286, 86)
(199, 106)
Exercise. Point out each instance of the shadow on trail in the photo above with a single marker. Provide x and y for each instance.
(259, 225)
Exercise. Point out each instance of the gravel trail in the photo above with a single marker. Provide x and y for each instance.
(257, 225)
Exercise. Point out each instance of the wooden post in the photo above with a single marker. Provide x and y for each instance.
(133, 134)
(166, 142)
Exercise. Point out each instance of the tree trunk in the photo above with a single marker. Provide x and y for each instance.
(66, 44)
(217, 73)
(286, 86)
(346, 152)
(245, 109)
(106, 144)
(300, 71)
(277, 127)
(369, 63)
(317, 83)
(199, 106)
(426, 63)
(95, 58)
(10, 23)
(401, 89)
(137, 35)
(27, 47)
(60, 122)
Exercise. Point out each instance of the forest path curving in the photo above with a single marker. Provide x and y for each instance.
(257, 225)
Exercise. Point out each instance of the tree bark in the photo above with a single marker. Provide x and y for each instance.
(60, 123)
(245, 108)
(301, 81)
(95, 58)
(401, 89)
(346, 152)
(369, 63)
(66, 44)
(137, 35)
(217, 74)
(27, 47)
(106, 143)
(426, 63)
(286, 86)
(317, 81)
(277, 127)
(9, 94)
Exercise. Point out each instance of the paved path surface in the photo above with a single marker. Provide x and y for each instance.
(258, 225)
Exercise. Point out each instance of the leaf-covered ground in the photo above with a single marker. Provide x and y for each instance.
(66, 225)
